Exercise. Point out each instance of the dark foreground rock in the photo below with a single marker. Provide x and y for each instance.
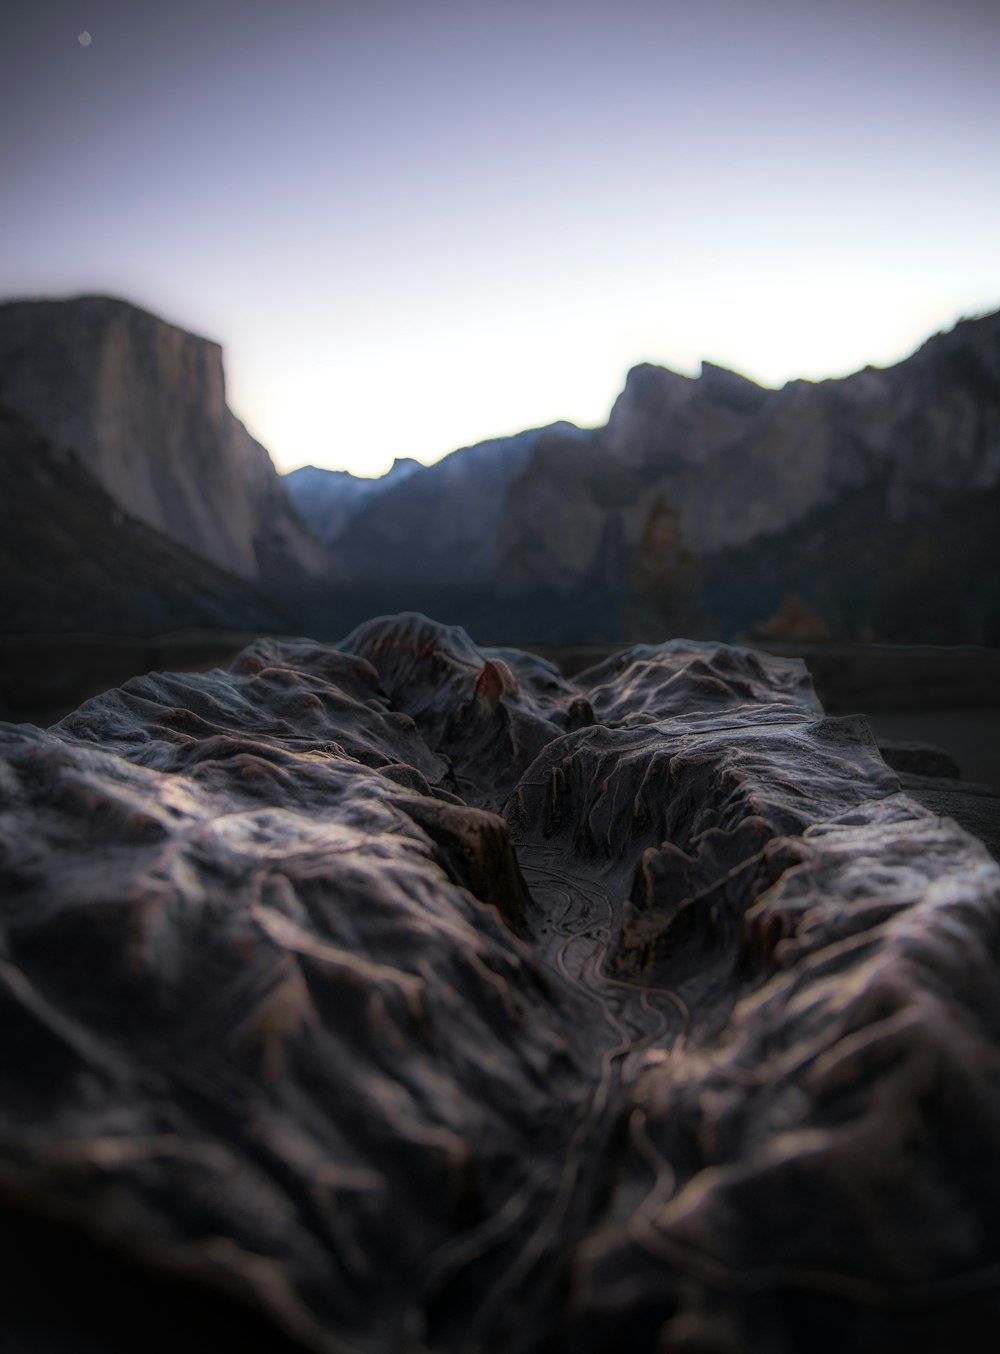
(404, 996)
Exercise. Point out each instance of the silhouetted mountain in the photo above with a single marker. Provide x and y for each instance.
(142, 404)
(441, 522)
(706, 503)
(862, 507)
(329, 500)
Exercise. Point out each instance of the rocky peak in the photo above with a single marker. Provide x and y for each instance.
(653, 398)
(730, 388)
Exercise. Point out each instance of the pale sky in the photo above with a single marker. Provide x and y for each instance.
(414, 224)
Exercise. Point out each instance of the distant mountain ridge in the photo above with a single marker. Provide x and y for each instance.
(863, 507)
(329, 500)
(643, 524)
(440, 522)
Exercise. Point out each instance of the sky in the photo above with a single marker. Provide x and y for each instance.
(415, 224)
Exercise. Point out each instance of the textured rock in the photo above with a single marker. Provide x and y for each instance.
(405, 996)
(142, 404)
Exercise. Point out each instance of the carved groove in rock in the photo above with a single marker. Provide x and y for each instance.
(404, 996)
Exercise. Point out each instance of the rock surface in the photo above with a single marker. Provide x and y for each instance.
(404, 996)
(142, 404)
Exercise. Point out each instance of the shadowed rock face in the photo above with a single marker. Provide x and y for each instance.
(70, 559)
(142, 404)
(404, 996)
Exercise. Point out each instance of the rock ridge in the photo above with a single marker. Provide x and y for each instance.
(868, 501)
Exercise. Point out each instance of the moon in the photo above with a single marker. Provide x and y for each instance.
(84, 39)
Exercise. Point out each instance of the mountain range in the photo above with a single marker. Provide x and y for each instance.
(860, 507)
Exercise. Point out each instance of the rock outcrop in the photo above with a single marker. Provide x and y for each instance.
(402, 995)
(142, 404)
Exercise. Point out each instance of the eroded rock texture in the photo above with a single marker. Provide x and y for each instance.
(404, 996)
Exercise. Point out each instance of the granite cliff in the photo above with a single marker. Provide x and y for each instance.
(142, 405)
(72, 560)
